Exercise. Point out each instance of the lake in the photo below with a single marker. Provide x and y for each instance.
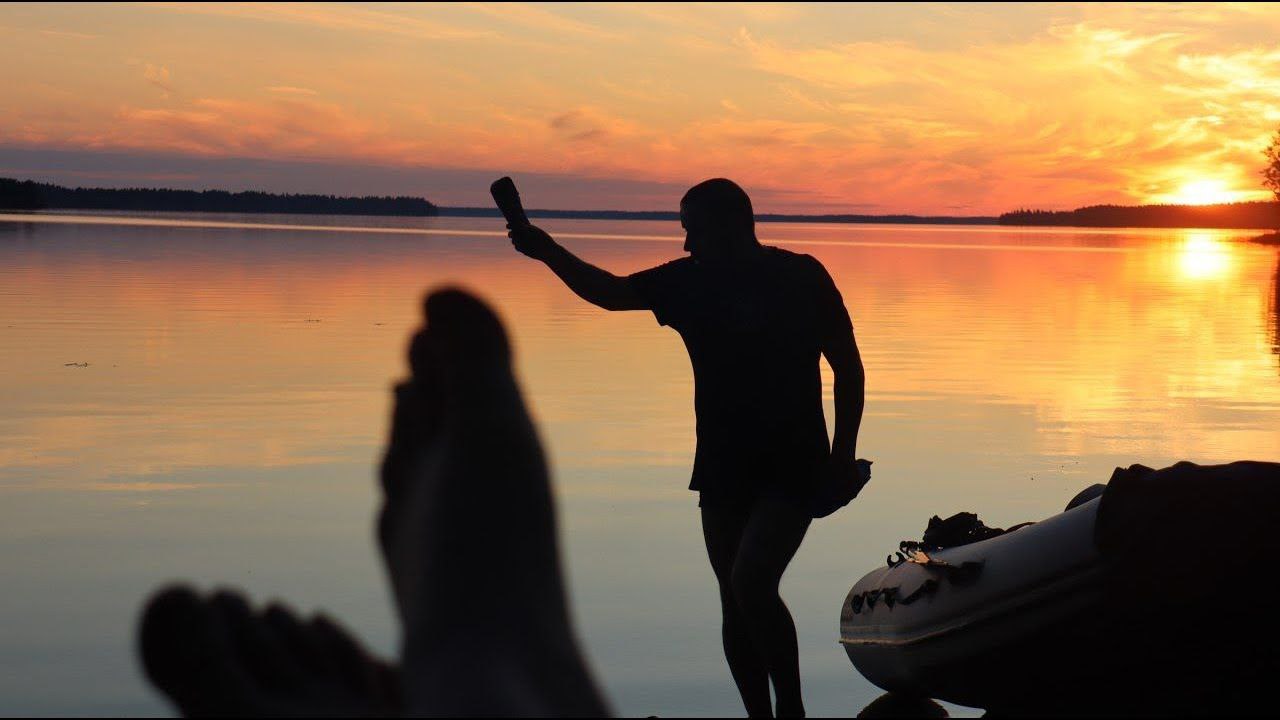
(205, 397)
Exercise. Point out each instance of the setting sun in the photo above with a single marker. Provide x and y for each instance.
(1203, 192)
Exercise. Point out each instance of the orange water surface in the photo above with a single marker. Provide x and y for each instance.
(204, 397)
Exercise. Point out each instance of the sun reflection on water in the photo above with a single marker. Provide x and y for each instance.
(1202, 256)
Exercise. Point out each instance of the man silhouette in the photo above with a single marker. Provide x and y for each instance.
(754, 319)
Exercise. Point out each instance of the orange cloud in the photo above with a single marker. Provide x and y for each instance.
(966, 109)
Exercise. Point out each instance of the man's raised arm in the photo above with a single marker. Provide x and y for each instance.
(596, 286)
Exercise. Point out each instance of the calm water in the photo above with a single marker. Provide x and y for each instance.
(230, 416)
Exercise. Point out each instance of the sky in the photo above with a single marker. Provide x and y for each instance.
(938, 109)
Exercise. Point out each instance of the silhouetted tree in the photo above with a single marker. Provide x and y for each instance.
(16, 195)
(1271, 173)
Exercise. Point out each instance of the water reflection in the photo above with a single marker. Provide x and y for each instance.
(235, 398)
(1203, 256)
(1274, 315)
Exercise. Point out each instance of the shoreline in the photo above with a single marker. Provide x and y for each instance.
(331, 221)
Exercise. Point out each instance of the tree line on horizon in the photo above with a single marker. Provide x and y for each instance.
(1258, 214)
(31, 195)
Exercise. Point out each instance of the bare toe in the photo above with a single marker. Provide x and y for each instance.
(218, 657)
(186, 654)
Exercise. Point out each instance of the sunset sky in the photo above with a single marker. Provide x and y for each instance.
(936, 109)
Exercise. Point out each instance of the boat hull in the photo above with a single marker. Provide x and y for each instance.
(1154, 598)
(980, 640)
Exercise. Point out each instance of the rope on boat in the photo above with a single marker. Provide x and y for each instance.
(913, 552)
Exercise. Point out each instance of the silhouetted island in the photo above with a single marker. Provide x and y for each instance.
(1228, 215)
(29, 195)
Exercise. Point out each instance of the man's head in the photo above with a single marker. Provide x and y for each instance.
(718, 220)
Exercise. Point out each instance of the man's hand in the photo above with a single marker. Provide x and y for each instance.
(842, 479)
(531, 240)
(848, 473)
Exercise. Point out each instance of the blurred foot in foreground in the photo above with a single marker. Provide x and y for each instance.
(467, 531)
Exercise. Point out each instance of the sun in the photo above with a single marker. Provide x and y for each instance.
(1201, 192)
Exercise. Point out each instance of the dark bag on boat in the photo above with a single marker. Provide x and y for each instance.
(959, 529)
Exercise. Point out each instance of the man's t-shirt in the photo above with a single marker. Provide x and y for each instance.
(754, 330)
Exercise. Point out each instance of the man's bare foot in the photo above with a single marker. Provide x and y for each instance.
(468, 532)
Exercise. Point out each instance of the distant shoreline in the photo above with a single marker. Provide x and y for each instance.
(27, 195)
(24, 196)
(763, 217)
(1241, 216)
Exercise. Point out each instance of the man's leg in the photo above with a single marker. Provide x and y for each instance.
(722, 529)
(772, 535)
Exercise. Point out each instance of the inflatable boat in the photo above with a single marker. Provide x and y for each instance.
(1134, 599)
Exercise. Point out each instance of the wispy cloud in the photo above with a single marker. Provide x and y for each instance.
(540, 19)
(290, 90)
(590, 124)
(336, 17)
(1103, 113)
(158, 75)
(68, 34)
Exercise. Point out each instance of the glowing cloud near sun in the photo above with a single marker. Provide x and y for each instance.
(1203, 192)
